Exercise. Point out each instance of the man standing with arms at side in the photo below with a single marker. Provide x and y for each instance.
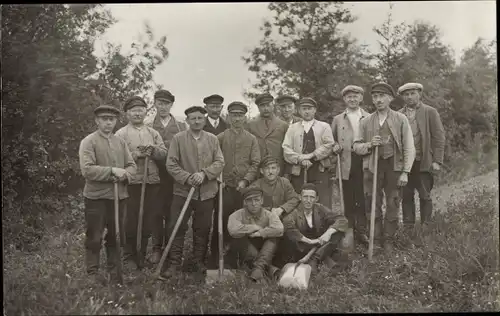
(143, 141)
(167, 125)
(391, 131)
(308, 145)
(345, 128)
(104, 158)
(194, 160)
(429, 139)
(269, 130)
(214, 123)
(242, 158)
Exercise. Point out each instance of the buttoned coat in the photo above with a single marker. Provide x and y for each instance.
(343, 134)
(432, 135)
(269, 138)
(294, 141)
(404, 148)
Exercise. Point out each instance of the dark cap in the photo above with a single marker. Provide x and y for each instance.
(285, 99)
(133, 102)
(252, 191)
(214, 98)
(309, 186)
(106, 109)
(267, 160)
(164, 95)
(195, 108)
(237, 106)
(383, 87)
(263, 98)
(307, 102)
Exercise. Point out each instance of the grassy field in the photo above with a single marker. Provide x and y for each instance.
(453, 268)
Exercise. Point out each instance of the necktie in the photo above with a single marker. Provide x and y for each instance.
(215, 124)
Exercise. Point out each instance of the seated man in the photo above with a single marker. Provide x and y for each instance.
(254, 230)
(279, 195)
(312, 225)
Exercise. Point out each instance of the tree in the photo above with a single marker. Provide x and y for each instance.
(49, 92)
(303, 52)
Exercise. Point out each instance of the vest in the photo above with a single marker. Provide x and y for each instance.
(386, 150)
(309, 142)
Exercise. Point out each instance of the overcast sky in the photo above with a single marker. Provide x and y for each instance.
(206, 40)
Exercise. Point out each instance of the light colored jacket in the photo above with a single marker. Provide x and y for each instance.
(294, 141)
(404, 148)
(343, 134)
(432, 135)
(238, 222)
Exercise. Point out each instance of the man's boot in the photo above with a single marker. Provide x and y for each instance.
(199, 253)
(425, 211)
(174, 261)
(92, 258)
(263, 259)
(111, 263)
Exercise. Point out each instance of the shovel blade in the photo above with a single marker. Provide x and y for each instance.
(213, 276)
(295, 276)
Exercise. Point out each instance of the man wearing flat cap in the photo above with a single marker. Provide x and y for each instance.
(429, 139)
(345, 128)
(391, 132)
(167, 125)
(269, 130)
(286, 104)
(143, 141)
(194, 160)
(242, 158)
(308, 145)
(214, 123)
(104, 159)
(255, 230)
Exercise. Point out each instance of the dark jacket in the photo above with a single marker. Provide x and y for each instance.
(432, 135)
(222, 126)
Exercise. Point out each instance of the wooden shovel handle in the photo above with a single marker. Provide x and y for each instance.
(141, 206)
(341, 187)
(374, 199)
(308, 256)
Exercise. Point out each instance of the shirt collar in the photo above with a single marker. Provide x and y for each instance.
(307, 123)
(346, 111)
(136, 127)
(256, 216)
(104, 135)
(212, 121)
(192, 135)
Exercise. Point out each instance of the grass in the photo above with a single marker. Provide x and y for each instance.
(455, 270)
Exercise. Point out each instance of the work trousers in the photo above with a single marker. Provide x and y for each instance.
(132, 219)
(423, 183)
(387, 180)
(202, 219)
(354, 199)
(161, 216)
(100, 214)
(231, 201)
(293, 251)
(255, 253)
(320, 179)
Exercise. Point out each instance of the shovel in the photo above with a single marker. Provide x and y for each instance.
(348, 240)
(138, 247)
(372, 214)
(297, 275)
(117, 235)
(174, 232)
(220, 274)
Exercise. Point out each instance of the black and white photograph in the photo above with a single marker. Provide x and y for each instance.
(250, 158)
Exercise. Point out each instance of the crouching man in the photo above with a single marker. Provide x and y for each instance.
(313, 225)
(255, 231)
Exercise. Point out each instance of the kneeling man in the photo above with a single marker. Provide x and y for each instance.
(255, 230)
(313, 225)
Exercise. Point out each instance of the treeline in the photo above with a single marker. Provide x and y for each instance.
(304, 51)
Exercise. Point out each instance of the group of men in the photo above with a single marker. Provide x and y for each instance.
(274, 172)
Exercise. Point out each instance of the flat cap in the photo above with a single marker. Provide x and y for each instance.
(410, 86)
(267, 160)
(284, 99)
(237, 107)
(133, 102)
(214, 98)
(195, 108)
(307, 102)
(353, 88)
(263, 98)
(252, 191)
(106, 109)
(383, 87)
(164, 95)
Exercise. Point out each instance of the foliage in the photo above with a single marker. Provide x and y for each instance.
(303, 52)
(454, 269)
(48, 97)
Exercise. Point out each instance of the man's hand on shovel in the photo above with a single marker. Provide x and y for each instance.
(118, 173)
